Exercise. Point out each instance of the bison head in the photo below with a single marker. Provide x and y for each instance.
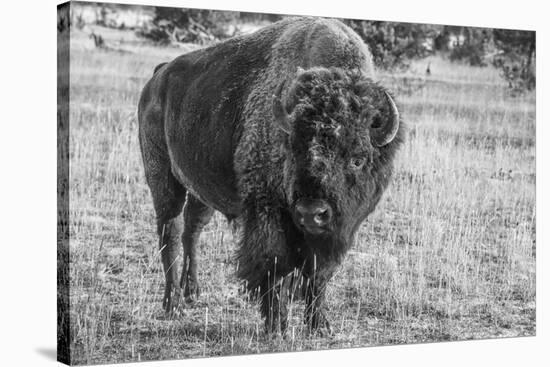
(340, 130)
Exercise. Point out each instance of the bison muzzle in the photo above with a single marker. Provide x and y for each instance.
(284, 131)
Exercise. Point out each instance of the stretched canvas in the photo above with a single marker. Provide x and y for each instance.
(238, 183)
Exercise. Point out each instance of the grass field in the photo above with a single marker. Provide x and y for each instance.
(449, 253)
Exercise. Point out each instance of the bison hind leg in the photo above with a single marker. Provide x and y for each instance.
(196, 216)
(168, 200)
(168, 207)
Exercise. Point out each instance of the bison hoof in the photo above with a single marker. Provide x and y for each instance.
(276, 329)
(171, 301)
(319, 325)
(324, 331)
(191, 291)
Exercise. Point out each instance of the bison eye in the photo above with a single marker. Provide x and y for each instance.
(357, 162)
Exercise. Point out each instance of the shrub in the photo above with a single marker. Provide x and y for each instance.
(516, 58)
(189, 25)
(394, 45)
(471, 45)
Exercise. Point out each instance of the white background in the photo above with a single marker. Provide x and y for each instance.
(28, 181)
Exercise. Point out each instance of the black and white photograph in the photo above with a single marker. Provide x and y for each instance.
(235, 183)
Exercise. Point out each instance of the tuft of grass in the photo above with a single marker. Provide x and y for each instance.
(449, 253)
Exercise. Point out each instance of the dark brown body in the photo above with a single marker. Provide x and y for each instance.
(209, 142)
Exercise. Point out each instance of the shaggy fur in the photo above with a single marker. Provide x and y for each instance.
(208, 134)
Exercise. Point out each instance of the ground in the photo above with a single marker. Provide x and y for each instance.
(449, 253)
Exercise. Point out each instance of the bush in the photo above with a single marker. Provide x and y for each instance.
(189, 25)
(472, 53)
(394, 45)
(471, 45)
(516, 58)
(515, 70)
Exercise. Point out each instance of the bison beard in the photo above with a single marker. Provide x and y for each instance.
(283, 130)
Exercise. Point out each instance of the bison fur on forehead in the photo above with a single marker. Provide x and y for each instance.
(328, 99)
(326, 93)
(283, 130)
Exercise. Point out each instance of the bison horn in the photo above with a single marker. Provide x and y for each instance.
(385, 134)
(282, 119)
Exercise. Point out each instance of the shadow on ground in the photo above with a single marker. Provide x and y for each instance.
(50, 353)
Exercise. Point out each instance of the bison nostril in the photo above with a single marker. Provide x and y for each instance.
(312, 213)
(321, 217)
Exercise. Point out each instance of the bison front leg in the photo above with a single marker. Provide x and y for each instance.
(274, 304)
(315, 315)
(262, 265)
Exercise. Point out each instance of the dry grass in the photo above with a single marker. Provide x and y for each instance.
(448, 255)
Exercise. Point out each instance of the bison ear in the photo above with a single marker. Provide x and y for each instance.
(282, 119)
(384, 133)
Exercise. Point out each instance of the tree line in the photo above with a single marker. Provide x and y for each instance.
(393, 44)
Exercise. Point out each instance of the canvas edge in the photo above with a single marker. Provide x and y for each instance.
(63, 88)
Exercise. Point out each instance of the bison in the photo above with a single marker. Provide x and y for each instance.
(284, 131)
